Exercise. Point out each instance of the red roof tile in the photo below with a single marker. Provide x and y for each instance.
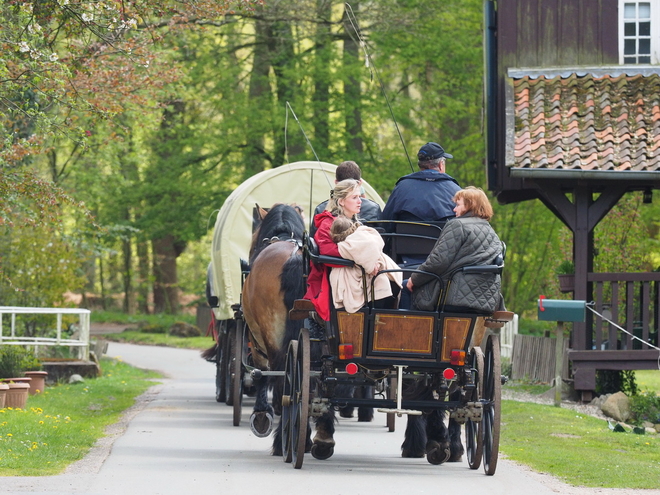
(587, 122)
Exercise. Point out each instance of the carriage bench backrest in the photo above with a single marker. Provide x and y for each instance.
(407, 241)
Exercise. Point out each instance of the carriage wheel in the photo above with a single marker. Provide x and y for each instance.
(287, 392)
(474, 432)
(221, 364)
(492, 408)
(237, 376)
(391, 394)
(300, 400)
(229, 382)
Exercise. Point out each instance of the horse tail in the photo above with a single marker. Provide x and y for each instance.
(292, 285)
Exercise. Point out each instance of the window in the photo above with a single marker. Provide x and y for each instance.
(639, 32)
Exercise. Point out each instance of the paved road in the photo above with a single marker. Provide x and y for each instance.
(179, 440)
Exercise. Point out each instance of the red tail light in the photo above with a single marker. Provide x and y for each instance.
(351, 368)
(345, 351)
(449, 374)
(457, 357)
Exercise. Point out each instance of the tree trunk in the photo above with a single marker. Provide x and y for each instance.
(166, 290)
(143, 281)
(352, 92)
(321, 96)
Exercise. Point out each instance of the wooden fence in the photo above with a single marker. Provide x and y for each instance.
(534, 359)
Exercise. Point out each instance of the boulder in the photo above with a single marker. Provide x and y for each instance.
(617, 406)
(181, 329)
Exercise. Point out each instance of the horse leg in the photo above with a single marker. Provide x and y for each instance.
(261, 420)
(437, 446)
(414, 443)
(324, 444)
(365, 414)
(455, 444)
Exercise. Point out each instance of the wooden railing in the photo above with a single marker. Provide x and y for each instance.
(632, 300)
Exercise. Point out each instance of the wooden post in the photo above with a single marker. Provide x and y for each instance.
(559, 361)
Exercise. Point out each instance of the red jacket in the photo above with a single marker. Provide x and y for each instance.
(318, 282)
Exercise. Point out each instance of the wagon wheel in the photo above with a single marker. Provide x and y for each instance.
(237, 372)
(474, 432)
(287, 392)
(391, 394)
(300, 400)
(221, 360)
(492, 408)
(229, 365)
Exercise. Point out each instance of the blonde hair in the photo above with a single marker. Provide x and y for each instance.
(475, 201)
(341, 191)
(341, 228)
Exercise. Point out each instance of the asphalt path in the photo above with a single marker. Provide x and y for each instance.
(178, 439)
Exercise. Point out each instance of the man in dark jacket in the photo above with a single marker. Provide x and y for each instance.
(369, 210)
(425, 195)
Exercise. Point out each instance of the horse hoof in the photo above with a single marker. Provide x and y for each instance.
(323, 451)
(261, 423)
(346, 412)
(456, 456)
(411, 454)
(437, 453)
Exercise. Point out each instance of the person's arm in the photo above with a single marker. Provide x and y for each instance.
(327, 246)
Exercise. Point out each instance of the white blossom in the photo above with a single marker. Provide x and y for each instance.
(132, 23)
(87, 17)
(23, 46)
(53, 57)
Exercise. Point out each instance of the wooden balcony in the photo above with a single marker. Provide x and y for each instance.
(632, 301)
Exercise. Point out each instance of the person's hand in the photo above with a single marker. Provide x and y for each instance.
(409, 285)
(375, 270)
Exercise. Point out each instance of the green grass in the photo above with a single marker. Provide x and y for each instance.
(579, 449)
(161, 339)
(60, 425)
(126, 319)
(648, 379)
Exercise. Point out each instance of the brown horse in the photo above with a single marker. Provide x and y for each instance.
(275, 281)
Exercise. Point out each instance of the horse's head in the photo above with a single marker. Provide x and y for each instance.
(281, 222)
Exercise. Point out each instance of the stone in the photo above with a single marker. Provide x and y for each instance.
(181, 329)
(657, 427)
(75, 378)
(617, 406)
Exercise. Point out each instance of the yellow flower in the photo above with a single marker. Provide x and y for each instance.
(9, 435)
(41, 422)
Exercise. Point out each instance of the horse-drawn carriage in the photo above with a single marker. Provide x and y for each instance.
(429, 362)
(304, 183)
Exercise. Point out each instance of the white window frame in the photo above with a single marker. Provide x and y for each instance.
(654, 35)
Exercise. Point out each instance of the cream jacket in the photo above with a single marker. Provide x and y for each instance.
(365, 247)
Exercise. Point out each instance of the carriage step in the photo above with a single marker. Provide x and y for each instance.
(400, 412)
(498, 319)
(301, 309)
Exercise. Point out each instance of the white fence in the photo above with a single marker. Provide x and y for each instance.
(507, 335)
(81, 342)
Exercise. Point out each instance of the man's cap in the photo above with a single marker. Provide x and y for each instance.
(432, 151)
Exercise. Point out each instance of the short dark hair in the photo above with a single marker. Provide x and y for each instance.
(348, 170)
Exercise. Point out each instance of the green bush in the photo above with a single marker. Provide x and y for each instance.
(613, 381)
(16, 360)
(645, 406)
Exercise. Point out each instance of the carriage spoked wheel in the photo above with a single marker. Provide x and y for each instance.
(237, 373)
(221, 365)
(391, 394)
(474, 432)
(300, 400)
(287, 394)
(229, 365)
(492, 408)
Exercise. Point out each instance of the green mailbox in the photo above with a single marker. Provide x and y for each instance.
(561, 310)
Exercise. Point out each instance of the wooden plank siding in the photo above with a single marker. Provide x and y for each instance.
(534, 359)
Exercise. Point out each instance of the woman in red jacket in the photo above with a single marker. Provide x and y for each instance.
(345, 201)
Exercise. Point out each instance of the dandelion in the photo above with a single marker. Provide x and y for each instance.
(9, 435)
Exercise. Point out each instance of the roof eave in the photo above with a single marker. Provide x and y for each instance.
(577, 174)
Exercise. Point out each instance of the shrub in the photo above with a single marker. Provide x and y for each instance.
(645, 406)
(16, 360)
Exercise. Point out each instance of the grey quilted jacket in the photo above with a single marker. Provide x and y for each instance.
(465, 241)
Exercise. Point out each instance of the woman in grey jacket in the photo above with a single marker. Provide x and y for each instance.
(465, 241)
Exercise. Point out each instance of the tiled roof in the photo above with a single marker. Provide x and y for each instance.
(588, 123)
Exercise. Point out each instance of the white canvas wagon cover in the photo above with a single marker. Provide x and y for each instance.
(304, 183)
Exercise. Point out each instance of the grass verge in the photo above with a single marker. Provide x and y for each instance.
(60, 425)
(160, 339)
(579, 449)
